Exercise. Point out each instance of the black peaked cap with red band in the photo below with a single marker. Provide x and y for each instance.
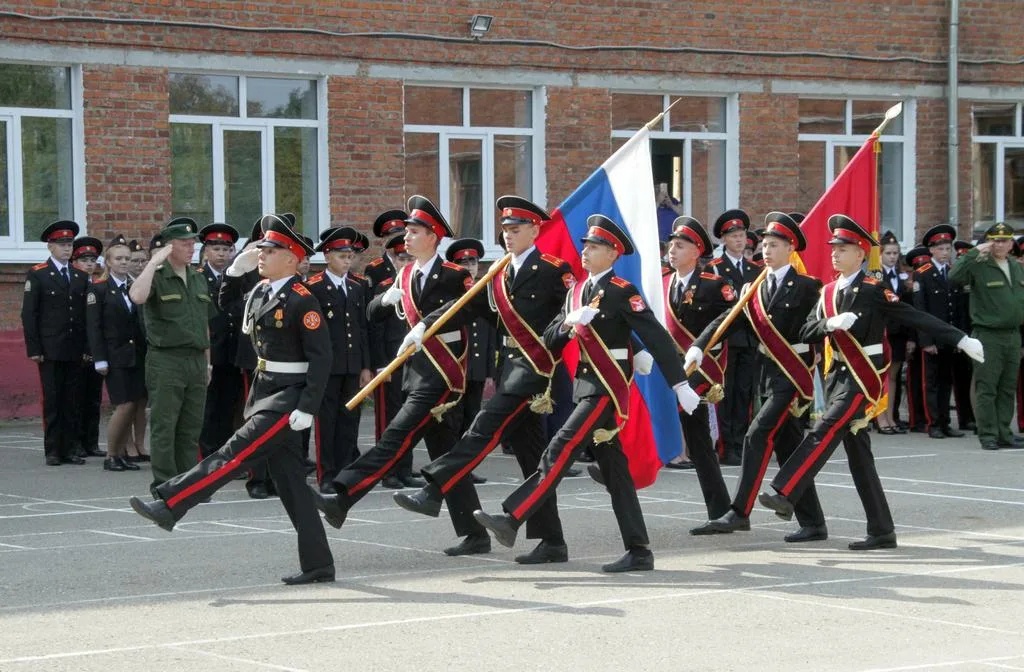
(218, 233)
(604, 231)
(939, 234)
(86, 246)
(781, 225)
(845, 231)
(390, 223)
(396, 244)
(464, 249)
(798, 217)
(362, 243)
(424, 213)
(729, 221)
(917, 256)
(61, 231)
(338, 238)
(689, 229)
(277, 233)
(517, 210)
(257, 230)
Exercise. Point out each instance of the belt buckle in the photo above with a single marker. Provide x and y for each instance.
(261, 364)
(512, 343)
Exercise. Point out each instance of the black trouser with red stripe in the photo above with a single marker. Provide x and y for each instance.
(774, 429)
(264, 439)
(222, 398)
(412, 423)
(61, 383)
(700, 448)
(507, 417)
(590, 414)
(259, 475)
(387, 400)
(937, 383)
(846, 403)
(742, 372)
(337, 428)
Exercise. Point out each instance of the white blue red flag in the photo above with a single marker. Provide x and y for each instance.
(622, 189)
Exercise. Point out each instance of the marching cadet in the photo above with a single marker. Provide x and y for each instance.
(386, 334)
(434, 381)
(84, 253)
(734, 411)
(692, 300)
(852, 314)
(53, 321)
(224, 391)
(117, 341)
(283, 320)
(600, 313)
(343, 301)
(775, 312)
(963, 367)
(896, 280)
(915, 258)
(526, 297)
(935, 295)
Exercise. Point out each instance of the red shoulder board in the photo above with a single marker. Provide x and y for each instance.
(385, 282)
(710, 276)
(891, 296)
(39, 267)
(454, 267)
(356, 277)
(927, 266)
(300, 289)
(552, 259)
(315, 279)
(870, 281)
(714, 262)
(620, 282)
(97, 281)
(376, 262)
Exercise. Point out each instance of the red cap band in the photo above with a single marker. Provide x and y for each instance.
(287, 243)
(732, 225)
(338, 243)
(525, 216)
(61, 233)
(468, 253)
(218, 237)
(783, 231)
(847, 236)
(429, 220)
(86, 251)
(920, 258)
(398, 248)
(690, 235)
(391, 225)
(939, 238)
(596, 232)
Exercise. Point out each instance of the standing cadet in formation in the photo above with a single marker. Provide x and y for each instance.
(117, 340)
(53, 321)
(775, 312)
(852, 314)
(434, 381)
(915, 259)
(893, 278)
(600, 313)
(526, 297)
(963, 367)
(284, 321)
(734, 411)
(343, 298)
(85, 251)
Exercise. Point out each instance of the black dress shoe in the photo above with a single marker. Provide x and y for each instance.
(144, 457)
(936, 433)
(730, 522)
(258, 492)
(572, 472)
(425, 501)
(969, 426)
(474, 544)
(155, 511)
(586, 456)
(684, 464)
(53, 461)
(812, 533)
(989, 445)
(952, 433)
(319, 575)
(128, 466)
(731, 459)
(635, 560)
(896, 429)
(594, 471)
(544, 553)
(112, 464)
(333, 512)
(782, 507)
(327, 488)
(94, 452)
(888, 431)
(1014, 442)
(392, 483)
(500, 526)
(74, 459)
(412, 481)
(478, 480)
(872, 542)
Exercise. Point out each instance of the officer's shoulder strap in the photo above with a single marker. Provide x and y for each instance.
(924, 268)
(300, 289)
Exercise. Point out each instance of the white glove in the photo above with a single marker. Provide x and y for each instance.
(687, 398)
(841, 322)
(581, 316)
(101, 367)
(693, 356)
(973, 348)
(642, 363)
(392, 296)
(244, 262)
(414, 338)
(299, 420)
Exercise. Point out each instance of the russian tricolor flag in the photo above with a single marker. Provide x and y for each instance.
(622, 189)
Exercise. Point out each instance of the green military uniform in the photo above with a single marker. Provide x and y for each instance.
(997, 311)
(177, 314)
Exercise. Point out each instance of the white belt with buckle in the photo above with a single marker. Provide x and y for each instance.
(616, 353)
(869, 350)
(281, 367)
(798, 348)
(509, 342)
(450, 337)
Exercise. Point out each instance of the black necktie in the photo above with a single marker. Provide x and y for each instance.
(511, 274)
(67, 276)
(945, 278)
(416, 285)
(127, 299)
(588, 287)
(771, 286)
(840, 295)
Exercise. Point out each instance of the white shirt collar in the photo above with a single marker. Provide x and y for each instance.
(594, 278)
(426, 266)
(338, 280)
(779, 274)
(213, 270)
(119, 283)
(685, 279)
(736, 261)
(60, 266)
(846, 280)
(520, 259)
(276, 285)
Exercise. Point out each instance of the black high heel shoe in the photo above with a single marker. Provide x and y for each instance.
(129, 466)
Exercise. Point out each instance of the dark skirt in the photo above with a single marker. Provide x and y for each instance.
(126, 384)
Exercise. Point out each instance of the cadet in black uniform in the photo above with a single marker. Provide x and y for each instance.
(963, 368)
(53, 320)
(775, 314)
(853, 313)
(915, 258)
(85, 251)
(892, 277)
(434, 380)
(343, 301)
(600, 313)
(530, 296)
(734, 411)
(284, 321)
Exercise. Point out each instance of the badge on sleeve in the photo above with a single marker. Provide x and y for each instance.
(467, 282)
(917, 286)
(568, 280)
(28, 285)
(728, 293)
(90, 299)
(891, 297)
(311, 320)
(636, 302)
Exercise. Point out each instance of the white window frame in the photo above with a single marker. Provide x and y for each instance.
(266, 125)
(13, 247)
(731, 136)
(1002, 142)
(465, 131)
(848, 139)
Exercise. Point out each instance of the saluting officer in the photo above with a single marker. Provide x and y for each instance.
(734, 411)
(776, 312)
(852, 314)
(434, 381)
(85, 251)
(53, 321)
(526, 297)
(343, 301)
(601, 314)
(284, 321)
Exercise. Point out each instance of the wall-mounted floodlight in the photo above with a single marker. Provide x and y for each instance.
(479, 25)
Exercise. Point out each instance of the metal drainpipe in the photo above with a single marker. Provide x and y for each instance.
(952, 93)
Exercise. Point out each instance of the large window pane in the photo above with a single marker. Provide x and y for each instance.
(421, 157)
(984, 185)
(868, 114)
(501, 108)
(695, 114)
(465, 188)
(666, 164)
(433, 106)
(5, 197)
(811, 175)
(995, 119)
(243, 177)
(281, 98)
(47, 175)
(215, 95)
(192, 172)
(708, 174)
(822, 116)
(35, 86)
(295, 171)
(513, 168)
(1013, 199)
(631, 111)
(890, 188)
